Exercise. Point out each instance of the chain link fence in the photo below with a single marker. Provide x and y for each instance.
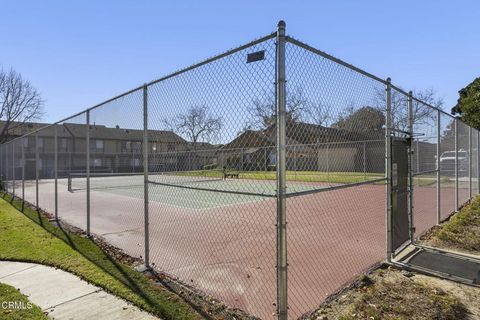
(199, 172)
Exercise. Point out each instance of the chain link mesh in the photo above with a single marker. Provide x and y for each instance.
(424, 167)
(211, 195)
(337, 139)
(212, 173)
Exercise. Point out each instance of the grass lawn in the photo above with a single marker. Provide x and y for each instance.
(301, 176)
(27, 311)
(30, 237)
(461, 232)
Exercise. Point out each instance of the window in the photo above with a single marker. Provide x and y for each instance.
(154, 146)
(171, 147)
(135, 162)
(96, 146)
(97, 162)
(273, 158)
(63, 144)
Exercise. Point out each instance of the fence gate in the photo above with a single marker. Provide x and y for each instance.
(400, 190)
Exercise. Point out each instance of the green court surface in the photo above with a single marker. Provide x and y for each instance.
(205, 190)
(218, 193)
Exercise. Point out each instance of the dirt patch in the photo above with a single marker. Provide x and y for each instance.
(389, 293)
(459, 233)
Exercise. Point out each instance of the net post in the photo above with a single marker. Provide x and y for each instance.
(37, 160)
(145, 177)
(410, 165)
(87, 158)
(439, 213)
(456, 163)
(55, 169)
(388, 156)
(280, 80)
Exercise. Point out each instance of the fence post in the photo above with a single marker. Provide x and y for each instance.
(478, 161)
(295, 160)
(470, 162)
(13, 168)
(417, 152)
(6, 167)
(37, 160)
(145, 176)
(281, 175)
(410, 165)
(439, 213)
(87, 158)
(55, 169)
(388, 156)
(364, 160)
(456, 163)
(23, 168)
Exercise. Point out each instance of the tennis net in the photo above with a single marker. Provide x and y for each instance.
(100, 180)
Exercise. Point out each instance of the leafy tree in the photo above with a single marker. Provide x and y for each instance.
(367, 121)
(468, 104)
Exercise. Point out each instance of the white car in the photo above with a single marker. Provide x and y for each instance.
(447, 161)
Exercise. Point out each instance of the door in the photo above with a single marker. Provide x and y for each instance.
(399, 174)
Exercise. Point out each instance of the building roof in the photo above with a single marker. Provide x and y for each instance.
(77, 130)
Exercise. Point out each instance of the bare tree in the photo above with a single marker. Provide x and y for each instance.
(319, 114)
(264, 113)
(197, 125)
(422, 115)
(20, 102)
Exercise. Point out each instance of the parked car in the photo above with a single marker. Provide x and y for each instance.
(447, 161)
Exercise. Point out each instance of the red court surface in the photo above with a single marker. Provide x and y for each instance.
(229, 251)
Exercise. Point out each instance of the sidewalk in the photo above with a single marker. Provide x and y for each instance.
(65, 296)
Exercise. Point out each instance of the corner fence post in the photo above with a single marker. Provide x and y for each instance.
(145, 176)
(439, 213)
(282, 305)
(87, 158)
(37, 160)
(410, 166)
(388, 164)
(55, 170)
(456, 163)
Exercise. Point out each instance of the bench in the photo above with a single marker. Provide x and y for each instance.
(230, 175)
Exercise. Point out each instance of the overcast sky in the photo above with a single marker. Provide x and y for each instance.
(79, 53)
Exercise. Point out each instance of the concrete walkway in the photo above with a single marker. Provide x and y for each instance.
(65, 296)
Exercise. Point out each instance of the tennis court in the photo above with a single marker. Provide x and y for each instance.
(197, 190)
(227, 235)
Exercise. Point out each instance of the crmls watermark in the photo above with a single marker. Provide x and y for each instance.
(15, 305)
